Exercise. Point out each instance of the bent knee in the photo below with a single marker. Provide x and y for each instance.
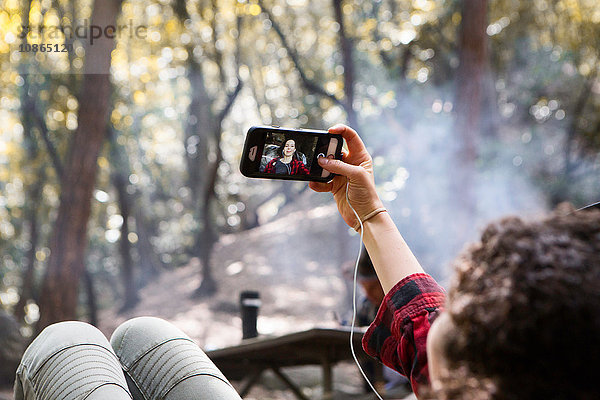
(136, 336)
(153, 350)
(60, 336)
(73, 346)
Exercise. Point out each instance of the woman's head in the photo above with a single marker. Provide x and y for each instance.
(288, 148)
(522, 318)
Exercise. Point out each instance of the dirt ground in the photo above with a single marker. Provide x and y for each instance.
(301, 285)
(291, 262)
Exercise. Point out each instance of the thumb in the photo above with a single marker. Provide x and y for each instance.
(339, 167)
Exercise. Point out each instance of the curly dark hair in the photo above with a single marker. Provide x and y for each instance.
(525, 308)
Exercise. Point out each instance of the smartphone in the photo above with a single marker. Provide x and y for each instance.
(278, 153)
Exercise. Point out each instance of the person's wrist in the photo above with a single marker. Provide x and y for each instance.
(369, 213)
(375, 224)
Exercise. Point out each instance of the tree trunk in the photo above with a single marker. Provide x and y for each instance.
(578, 108)
(12, 346)
(204, 125)
(130, 296)
(207, 237)
(92, 303)
(58, 300)
(27, 284)
(197, 130)
(348, 64)
(150, 263)
(469, 96)
(346, 49)
(119, 177)
(202, 174)
(34, 191)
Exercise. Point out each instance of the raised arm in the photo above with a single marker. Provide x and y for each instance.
(398, 335)
(392, 258)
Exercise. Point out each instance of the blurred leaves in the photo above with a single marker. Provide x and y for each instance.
(543, 56)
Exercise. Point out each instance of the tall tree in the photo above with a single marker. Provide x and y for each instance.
(119, 180)
(346, 49)
(202, 133)
(58, 300)
(30, 121)
(312, 85)
(473, 58)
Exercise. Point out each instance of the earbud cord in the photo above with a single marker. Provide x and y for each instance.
(354, 296)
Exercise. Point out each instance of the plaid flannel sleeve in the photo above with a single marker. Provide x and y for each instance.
(270, 167)
(398, 335)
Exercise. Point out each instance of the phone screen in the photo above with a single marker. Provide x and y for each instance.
(276, 153)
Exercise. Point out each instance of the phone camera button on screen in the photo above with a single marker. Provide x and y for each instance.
(252, 153)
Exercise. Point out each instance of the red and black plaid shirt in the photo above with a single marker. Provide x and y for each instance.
(297, 167)
(398, 336)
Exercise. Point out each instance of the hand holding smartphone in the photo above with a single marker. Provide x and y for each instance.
(291, 154)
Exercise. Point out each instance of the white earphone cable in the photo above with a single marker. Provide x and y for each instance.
(354, 296)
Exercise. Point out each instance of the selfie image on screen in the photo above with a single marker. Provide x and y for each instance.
(288, 154)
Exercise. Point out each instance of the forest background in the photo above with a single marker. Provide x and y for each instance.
(119, 158)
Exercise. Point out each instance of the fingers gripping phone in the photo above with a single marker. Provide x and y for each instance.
(292, 154)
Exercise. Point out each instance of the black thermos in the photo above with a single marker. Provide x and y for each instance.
(249, 304)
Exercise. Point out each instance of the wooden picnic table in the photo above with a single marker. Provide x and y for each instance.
(318, 346)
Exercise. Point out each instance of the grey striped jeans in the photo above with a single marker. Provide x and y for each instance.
(147, 359)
